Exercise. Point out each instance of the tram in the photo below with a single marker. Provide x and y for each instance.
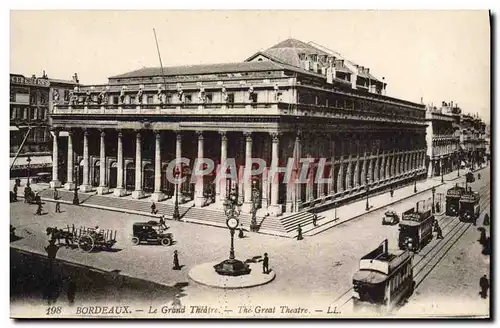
(453, 199)
(415, 228)
(469, 206)
(384, 280)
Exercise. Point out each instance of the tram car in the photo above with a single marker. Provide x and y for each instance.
(453, 200)
(415, 227)
(469, 206)
(383, 281)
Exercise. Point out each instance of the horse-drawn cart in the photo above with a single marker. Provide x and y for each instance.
(87, 239)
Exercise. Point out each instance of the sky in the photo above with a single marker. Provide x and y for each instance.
(434, 55)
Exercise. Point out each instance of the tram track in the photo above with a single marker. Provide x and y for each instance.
(457, 229)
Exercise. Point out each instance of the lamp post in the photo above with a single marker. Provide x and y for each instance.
(441, 169)
(76, 201)
(176, 215)
(433, 202)
(255, 199)
(458, 166)
(367, 193)
(415, 183)
(28, 160)
(232, 266)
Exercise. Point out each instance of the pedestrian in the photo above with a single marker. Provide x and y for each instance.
(56, 194)
(163, 226)
(299, 232)
(486, 220)
(392, 192)
(240, 233)
(315, 219)
(176, 261)
(484, 284)
(58, 207)
(439, 232)
(482, 238)
(39, 209)
(51, 250)
(153, 208)
(71, 292)
(438, 207)
(265, 264)
(15, 192)
(176, 303)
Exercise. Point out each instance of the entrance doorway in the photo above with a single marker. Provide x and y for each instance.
(113, 175)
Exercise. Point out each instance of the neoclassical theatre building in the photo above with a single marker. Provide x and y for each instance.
(294, 100)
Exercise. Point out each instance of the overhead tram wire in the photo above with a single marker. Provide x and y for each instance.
(161, 64)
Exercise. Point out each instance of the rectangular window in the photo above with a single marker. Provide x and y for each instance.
(230, 97)
(115, 100)
(209, 98)
(132, 100)
(66, 95)
(187, 99)
(168, 98)
(12, 95)
(149, 100)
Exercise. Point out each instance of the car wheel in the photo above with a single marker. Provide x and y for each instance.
(135, 241)
(166, 241)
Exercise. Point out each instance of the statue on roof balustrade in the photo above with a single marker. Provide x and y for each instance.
(102, 98)
(251, 93)
(138, 98)
(202, 98)
(55, 96)
(277, 93)
(159, 94)
(122, 95)
(88, 97)
(225, 96)
(180, 95)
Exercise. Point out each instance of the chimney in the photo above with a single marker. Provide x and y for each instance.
(451, 104)
(75, 78)
(367, 71)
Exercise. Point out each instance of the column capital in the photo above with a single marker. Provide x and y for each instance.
(138, 134)
(103, 134)
(247, 133)
(86, 132)
(157, 134)
(70, 132)
(223, 135)
(275, 136)
(178, 135)
(199, 134)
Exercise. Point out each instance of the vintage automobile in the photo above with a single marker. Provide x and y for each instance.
(390, 217)
(151, 232)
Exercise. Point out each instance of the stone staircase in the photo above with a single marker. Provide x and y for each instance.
(291, 222)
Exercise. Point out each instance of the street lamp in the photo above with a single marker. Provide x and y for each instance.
(232, 266)
(458, 166)
(367, 181)
(255, 199)
(76, 201)
(441, 169)
(415, 184)
(433, 202)
(176, 215)
(28, 160)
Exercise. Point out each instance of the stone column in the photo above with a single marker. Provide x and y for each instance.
(275, 208)
(356, 173)
(382, 166)
(293, 198)
(370, 169)
(70, 184)
(265, 190)
(199, 199)
(85, 186)
(247, 184)
(178, 166)
(158, 195)
(55, 183)
(340, 177)
(138, 192)
(222, 185)
(363, 171)
(348, 181)
(102, 189)
(376, 168)
(119, 190)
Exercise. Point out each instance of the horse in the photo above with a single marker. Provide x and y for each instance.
(58, 234)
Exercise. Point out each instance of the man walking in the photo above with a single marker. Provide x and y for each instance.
(486, 220)
(439, 232)
(265, 264)
(153, 208)
(58, 207)
(299, 233)
(315, 219)
(39, 209)
(176, 261)
(56, 194)
(15, 192)
(484, 284)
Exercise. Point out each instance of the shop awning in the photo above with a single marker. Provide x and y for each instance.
(36, 162)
